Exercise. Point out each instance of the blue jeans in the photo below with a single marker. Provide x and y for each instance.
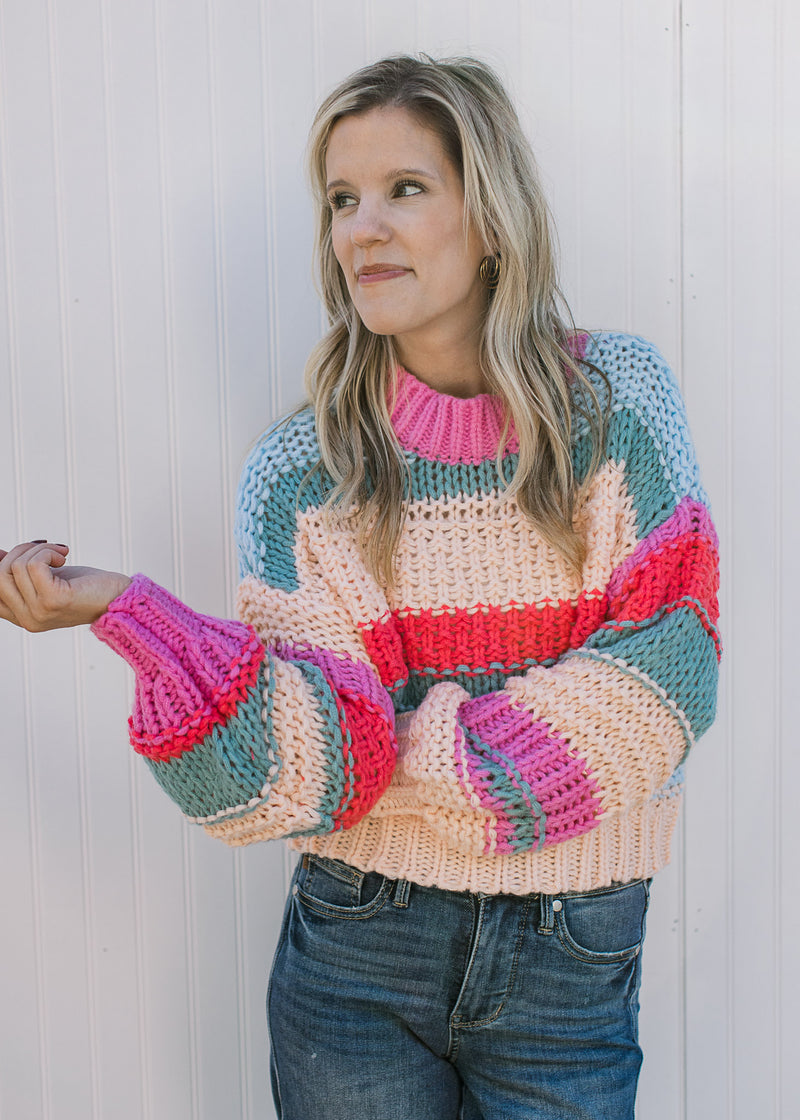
(390, 1001)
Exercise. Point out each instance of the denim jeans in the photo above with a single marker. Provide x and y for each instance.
(390, 1001)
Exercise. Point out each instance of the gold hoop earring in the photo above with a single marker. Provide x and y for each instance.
(489, 271)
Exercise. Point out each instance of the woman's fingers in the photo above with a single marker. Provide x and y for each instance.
(43, 589)
(27, 582)
(30, 548)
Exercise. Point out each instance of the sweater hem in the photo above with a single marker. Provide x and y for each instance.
(621, 849)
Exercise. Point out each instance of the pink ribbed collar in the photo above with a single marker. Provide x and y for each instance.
(448, 429)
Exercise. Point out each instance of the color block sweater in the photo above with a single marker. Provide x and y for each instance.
(494, 722)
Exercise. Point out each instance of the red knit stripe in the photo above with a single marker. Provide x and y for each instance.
(370, 750)
(487, 637)
(685, 567)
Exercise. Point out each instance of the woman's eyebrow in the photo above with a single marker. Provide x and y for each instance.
(398, 173)
(423, 174)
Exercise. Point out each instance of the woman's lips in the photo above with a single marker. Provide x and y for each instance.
(372, 274)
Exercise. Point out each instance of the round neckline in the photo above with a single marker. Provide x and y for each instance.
(440, 427)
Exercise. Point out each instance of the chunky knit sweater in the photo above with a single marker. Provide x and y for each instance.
(494, 722)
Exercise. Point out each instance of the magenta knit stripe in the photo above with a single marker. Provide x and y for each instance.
(689, 516)
(343, 674)
(172, 742)
(559, 781)
(184, 662)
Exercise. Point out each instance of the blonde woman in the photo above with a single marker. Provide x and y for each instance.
(477, 637)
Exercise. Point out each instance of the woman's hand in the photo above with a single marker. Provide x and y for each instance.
(37, 592)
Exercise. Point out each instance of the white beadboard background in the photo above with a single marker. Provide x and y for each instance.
(156, 309)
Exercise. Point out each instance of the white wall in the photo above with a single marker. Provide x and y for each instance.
(155, 312)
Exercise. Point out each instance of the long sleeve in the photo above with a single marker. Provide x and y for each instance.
(602, 731)
(280, 724)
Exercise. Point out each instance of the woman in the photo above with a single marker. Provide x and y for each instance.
(477, 638)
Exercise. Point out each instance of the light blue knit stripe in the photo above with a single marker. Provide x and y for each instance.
(642, 381)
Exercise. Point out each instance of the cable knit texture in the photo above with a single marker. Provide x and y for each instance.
(495, 722)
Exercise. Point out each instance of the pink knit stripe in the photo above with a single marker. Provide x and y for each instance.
(172, 742)
(578, 344)
(448, 429)
(185, 662)
(455, 430)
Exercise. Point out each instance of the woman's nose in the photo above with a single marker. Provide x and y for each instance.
(369, 224)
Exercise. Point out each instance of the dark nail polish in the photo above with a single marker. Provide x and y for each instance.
(39, 542)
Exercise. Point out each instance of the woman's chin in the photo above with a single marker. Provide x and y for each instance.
(382, 324)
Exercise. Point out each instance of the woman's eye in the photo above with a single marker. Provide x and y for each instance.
(407, 188)
(340, 200)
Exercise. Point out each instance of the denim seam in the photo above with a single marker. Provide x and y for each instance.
(587, 956)
(336, 869)
(633, 997)
(281, 942)
(467, 1024)
(345, 913)
(452, 1049)
(633, 1016)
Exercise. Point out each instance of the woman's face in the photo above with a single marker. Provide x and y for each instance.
(398, 234)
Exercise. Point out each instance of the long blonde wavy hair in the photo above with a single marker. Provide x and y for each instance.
(527, 353)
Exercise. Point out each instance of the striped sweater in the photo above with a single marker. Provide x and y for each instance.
(494, 722)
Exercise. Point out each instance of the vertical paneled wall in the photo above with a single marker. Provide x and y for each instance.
(156, 309)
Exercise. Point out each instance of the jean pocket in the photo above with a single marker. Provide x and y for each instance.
(337, 890)
(605, 926)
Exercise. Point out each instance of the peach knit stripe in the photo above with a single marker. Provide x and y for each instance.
(524, 567)
(622, 724)
(294, 618)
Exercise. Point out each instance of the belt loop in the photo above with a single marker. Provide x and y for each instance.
(402, 889)
(546, 922)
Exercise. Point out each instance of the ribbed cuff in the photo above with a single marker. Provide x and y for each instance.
(189, 667)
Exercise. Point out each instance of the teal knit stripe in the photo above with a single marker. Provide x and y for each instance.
(644, 385)
(228, 768)
(476, 684)
(688, 674)
(267, 500)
